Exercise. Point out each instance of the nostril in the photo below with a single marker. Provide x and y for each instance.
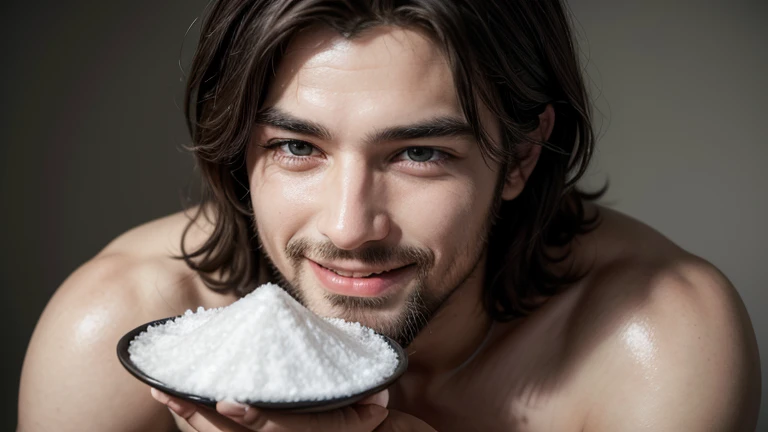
(350, 229)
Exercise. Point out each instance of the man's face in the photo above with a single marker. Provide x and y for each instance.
(370, 196)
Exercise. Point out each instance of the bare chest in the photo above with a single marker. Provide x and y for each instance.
(527, 380)
(499, 399)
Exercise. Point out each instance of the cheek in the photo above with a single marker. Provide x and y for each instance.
(446, 218)
(282, 205)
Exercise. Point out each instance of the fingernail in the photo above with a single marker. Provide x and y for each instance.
(230, 408)
(175, 406)
(377, 411)
(251, 415)
(166, 400)
(158, 395)
(381, 398)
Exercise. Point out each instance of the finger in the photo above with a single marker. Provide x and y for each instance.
(181, 424)
(220, 422)
(400, 421)
(354, 418)
(200, 418)
(242, 414)
(380, 398)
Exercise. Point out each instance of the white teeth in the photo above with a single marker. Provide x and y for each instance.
(354, 274)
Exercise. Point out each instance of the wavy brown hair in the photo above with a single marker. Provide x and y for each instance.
(514, 56)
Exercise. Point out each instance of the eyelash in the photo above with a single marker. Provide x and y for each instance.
(286, 157)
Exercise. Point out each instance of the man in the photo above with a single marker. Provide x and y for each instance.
(409, 165)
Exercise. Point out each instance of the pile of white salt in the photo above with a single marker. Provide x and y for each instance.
(265, 347)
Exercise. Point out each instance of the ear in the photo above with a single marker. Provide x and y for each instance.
(529, 155)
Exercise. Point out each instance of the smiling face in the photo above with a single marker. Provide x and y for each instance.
(370, 194)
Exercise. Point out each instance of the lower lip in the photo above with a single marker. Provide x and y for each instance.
(373, 286)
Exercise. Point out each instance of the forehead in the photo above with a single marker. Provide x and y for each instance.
(387, 74)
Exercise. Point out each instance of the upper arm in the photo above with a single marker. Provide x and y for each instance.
(71, 378)
(684, 360)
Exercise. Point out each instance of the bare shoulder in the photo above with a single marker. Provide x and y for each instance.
(160, 237)
(71, 378)
(665, 338)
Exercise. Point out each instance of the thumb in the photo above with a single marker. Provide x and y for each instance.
(369, 416)
(381, 398)
(353, 418)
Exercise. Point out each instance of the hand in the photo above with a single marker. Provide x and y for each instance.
(365, 416)
(398, 421)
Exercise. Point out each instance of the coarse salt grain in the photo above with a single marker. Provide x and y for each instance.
(264, 347)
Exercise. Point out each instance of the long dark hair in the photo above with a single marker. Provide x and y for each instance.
(515, 56)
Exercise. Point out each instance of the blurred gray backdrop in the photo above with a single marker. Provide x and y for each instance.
(91, 130)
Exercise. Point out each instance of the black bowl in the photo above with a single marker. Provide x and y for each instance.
(293, 407)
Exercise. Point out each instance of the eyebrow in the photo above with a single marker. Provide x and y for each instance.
(436, 127)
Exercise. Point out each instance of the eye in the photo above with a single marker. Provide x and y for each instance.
(419, 154)
(298, 148)
(422, 160)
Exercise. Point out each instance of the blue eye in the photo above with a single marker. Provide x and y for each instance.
(298, 148)
(420, 154)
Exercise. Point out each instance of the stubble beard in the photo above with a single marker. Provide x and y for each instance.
(421, 305)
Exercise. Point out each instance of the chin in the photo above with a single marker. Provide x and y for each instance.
(368, 311)
(402, 321)
(377, 320)
(401, 315)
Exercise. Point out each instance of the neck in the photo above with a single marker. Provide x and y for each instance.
(454, 335)
(451, 341)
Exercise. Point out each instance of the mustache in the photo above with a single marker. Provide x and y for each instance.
(297, 249)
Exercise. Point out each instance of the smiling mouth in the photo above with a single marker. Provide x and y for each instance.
(363, 275)
(359, 281)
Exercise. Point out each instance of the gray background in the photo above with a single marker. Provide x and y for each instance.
(91, 130)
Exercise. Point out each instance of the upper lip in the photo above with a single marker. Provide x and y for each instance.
(355, 269)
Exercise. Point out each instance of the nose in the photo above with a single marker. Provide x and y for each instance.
(351, 213)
